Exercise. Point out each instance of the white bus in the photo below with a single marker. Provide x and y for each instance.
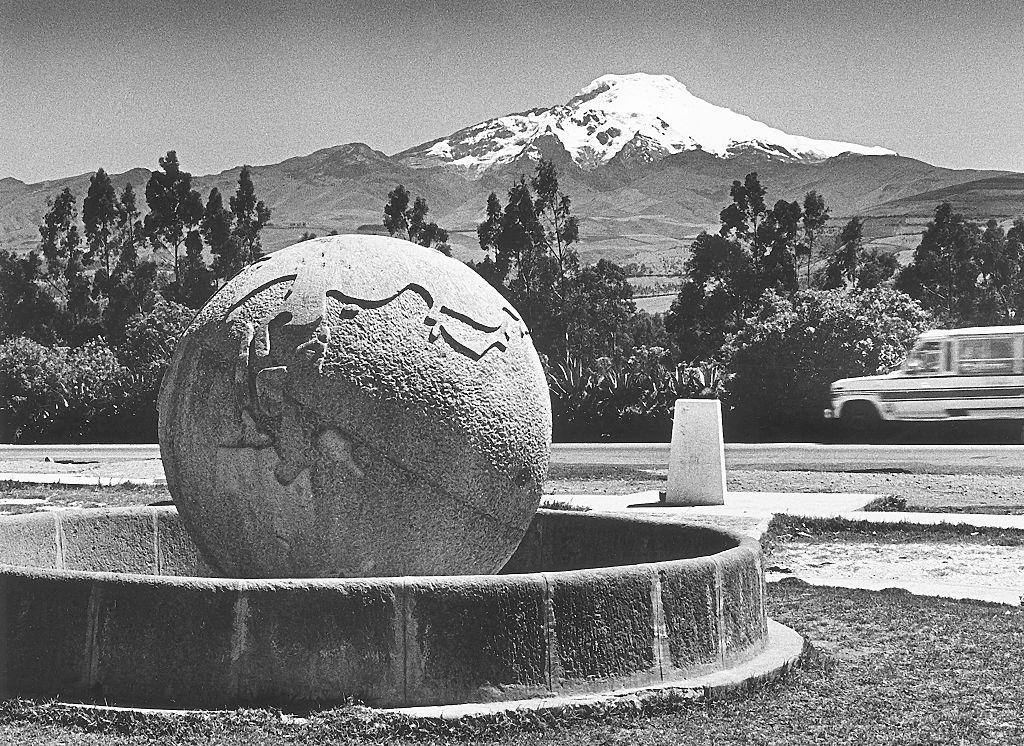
(975, 373)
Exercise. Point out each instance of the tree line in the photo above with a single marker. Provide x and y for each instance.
(770, 309)
(530, 257)
(96, 270)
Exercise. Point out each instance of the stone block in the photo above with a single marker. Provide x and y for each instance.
(45, 628)
(109, 541)
(690, 600)
(322, 645)
(165, 644)
(177, 554)
(31, 541)
(476, 640)
(744, 622)
(604, 628)
(696, 467)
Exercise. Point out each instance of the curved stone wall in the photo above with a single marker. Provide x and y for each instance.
(115, 606)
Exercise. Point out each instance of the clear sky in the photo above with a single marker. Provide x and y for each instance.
(116, 83)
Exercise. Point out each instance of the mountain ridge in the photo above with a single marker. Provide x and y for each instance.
(596, 123)
(640, 203)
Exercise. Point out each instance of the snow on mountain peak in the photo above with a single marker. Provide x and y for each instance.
(655, 111)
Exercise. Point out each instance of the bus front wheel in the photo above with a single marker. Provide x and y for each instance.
(861, 418)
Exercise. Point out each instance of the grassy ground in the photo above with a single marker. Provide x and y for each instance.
(891, 669)
(76, 496)
(788, 528)
(957, 493)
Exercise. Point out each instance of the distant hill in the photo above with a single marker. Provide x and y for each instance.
(641, 190)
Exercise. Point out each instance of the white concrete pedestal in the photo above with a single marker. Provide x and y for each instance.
(696, 464)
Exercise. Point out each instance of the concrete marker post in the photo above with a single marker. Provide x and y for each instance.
(696, 465)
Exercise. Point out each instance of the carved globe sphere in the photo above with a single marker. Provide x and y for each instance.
(355, 406)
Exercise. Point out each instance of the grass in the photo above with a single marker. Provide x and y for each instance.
(79, 496)
(890, 668)
(787, 528)
(564, 505)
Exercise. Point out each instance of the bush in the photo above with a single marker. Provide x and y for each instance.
(60, 393)
(786, 356)
(90, 393)
(28, 386)
(628, 401)
(150, 339)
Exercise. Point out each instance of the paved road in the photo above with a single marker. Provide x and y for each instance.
(940, 459)
(947, 459)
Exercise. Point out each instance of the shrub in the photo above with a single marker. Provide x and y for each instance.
(92, 392)
(28, 386)
(627, 401)
(150, 338)
(49, 393)
(786, 356)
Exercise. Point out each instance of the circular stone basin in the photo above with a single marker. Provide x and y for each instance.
(117, 606)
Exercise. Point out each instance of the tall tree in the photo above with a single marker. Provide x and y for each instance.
(129, 232)
(175, 208)
(197, 281)
(599, 311)
(842, 264)
(943, 275)
(999, 259)
(1014, 269)
(60, 240)
(553, 208)
(250, 217)
(61, 245)
(132, 286)
(743, 218)
(778, 233)
(535, 266)
(720, 289)
(876, 268)
(426, 233)
(216, 229)
(489, 233)
(744, 215)
(100, 212)
(411, 222)
(396, 219)
(26, 309)
(814, 219)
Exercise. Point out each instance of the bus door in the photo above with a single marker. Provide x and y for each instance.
(922, 391)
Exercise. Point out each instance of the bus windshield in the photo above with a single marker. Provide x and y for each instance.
(923, 358)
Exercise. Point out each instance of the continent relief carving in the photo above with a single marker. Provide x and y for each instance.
(278, 353)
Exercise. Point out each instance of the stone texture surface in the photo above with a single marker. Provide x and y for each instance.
(355, 406)
(696, 463)
(163, 640)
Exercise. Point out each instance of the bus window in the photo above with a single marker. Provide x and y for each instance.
(923, 359)
(986, 356)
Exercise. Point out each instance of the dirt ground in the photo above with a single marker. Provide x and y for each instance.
(949, 568)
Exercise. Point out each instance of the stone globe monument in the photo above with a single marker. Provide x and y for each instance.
(355, 406)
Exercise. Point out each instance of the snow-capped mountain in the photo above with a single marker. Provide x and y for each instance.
(645, 116)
